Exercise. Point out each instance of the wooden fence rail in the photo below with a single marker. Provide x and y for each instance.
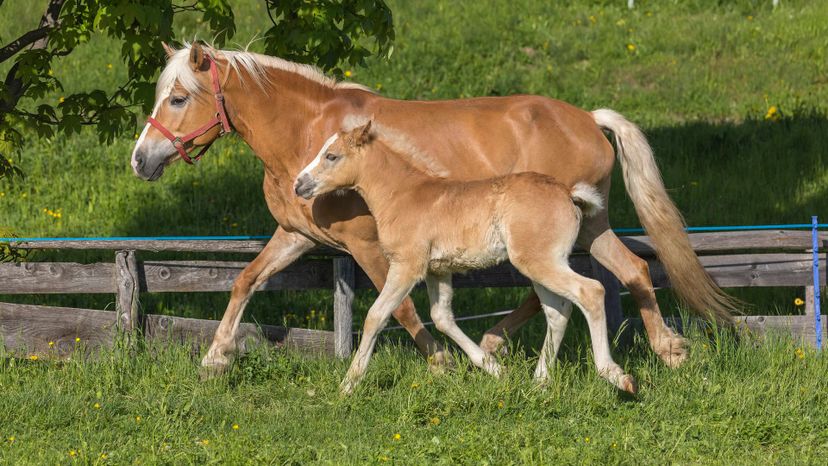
(733, 259)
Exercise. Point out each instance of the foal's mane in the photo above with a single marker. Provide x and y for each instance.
(400, 144)
(256, 65)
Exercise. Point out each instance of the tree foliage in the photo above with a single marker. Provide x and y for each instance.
(321, 32)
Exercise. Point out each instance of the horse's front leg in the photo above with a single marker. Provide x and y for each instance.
(282, 249)
(400, 282)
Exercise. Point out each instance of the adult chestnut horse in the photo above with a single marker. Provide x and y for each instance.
(284, 111)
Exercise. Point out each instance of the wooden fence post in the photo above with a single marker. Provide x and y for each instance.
(612, 296)
(344, 283)
(128, 287)
(809, 301)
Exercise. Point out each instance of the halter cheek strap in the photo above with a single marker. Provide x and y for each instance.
(179, 142)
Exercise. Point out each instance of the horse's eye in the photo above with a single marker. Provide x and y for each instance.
(331, 157)
(178, 101)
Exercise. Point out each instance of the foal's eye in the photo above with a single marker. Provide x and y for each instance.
(331, 157)
(178, 101)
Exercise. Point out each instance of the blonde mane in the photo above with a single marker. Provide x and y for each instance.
(256, 65)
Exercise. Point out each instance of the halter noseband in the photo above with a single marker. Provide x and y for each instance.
(219, 119)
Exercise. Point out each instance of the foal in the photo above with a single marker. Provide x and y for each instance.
(430, 227)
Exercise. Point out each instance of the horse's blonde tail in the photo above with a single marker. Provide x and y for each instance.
(587, 198)
(663, 222)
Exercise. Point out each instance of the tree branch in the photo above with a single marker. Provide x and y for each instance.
(26, 39)
(14, 85)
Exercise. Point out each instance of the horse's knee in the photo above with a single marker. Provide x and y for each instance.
(592, 298)
(442, 321)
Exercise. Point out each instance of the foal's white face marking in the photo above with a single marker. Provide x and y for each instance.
(318, 159)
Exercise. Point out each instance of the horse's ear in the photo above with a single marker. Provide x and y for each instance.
(168, 50)
(196, 56)
(363, 134)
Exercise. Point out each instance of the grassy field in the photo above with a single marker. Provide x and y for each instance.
(730, 404)
(699, 76)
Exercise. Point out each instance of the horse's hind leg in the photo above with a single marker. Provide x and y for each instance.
(495, 336)
(557, 311)
(440, 294)
(634, 273)
(282, 249)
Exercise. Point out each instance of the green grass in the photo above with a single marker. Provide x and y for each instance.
(699, 78)
(732, 403)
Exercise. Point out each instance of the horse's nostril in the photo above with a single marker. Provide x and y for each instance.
(139, 160)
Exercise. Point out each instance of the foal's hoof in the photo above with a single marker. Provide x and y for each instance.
(628, 384)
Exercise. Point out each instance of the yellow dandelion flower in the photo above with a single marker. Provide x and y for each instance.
(772, 113)
(798, 302)
(435, 421)
(11, 439)
(104, 456)
(631, 47)
(500, 404)
(61, 99)
(348, 74)
(73, 453)
(378, 86)
(586, 439)
(137, 418)
(383, 458)
(50, 72)
(593, 19)
(415, 386)
(51, 344)
(77, 339)
(205, 441)
(96, 406)
(33, 357)
(235, 427)
(614, 445)
(109, 66)
(799, 353)
(135, 136)
(397, 436)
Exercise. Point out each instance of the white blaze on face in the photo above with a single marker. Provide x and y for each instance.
(164, 95)
(318, 159)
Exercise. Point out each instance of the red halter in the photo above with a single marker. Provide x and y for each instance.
(220, 119)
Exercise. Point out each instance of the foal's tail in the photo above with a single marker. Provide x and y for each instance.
(662, 220)
(587, 198)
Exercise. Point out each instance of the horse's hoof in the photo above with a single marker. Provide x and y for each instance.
(212, 370)
(673, 350)
(493, 344)
(440, 362)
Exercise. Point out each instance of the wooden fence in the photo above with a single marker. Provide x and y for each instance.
(734, 259)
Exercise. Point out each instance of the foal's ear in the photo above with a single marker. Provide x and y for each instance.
(196, 56)
(362, 135)
(168, 50)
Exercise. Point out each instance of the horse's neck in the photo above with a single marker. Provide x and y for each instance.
(277, 121)
(385, 175)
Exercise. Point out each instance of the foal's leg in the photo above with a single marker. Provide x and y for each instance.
(588, 295)
(370, 258)
(440, 294)
(282, 249)
(557, 311)
(397, 286)
(634, 273)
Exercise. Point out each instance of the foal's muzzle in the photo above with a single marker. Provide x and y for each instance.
(304, 186)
